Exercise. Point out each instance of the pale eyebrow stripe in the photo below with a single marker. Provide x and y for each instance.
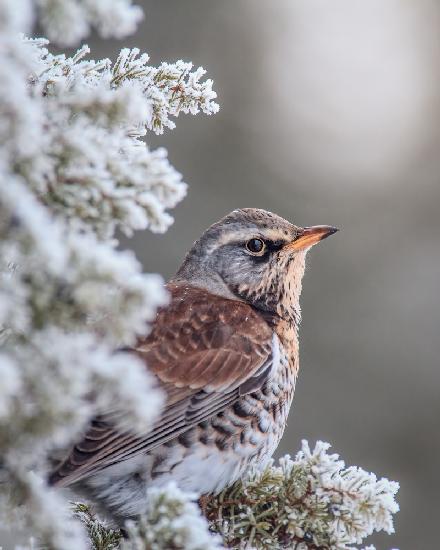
(244, 235)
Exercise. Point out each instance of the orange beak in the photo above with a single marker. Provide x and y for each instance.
(309, 236)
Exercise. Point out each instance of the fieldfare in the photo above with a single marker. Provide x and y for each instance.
(225, 352)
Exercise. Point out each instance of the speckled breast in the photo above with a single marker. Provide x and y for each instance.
(217, 452)
(259, 418)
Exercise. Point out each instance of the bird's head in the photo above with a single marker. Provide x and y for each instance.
(255, 256)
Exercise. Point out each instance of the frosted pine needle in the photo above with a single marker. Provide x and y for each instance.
(312, 501)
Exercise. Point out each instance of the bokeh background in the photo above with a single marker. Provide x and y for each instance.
(329, 115)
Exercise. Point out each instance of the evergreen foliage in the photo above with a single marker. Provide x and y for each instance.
(312, 502)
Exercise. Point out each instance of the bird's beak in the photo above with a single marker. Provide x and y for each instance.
(309, 236)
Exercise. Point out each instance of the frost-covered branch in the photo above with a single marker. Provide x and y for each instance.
(308, 503)
(74, 168)
(98, 173)
(66, 22)
(173, 521)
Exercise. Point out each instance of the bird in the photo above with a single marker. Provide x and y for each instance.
(224, 352)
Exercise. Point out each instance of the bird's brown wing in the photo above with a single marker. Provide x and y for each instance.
(205, 352)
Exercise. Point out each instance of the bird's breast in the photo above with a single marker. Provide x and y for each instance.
(259, 418)
(218, 451)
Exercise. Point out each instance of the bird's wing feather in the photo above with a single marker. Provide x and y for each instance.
(205, 352)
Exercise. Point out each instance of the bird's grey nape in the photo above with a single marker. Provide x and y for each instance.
(196, 271)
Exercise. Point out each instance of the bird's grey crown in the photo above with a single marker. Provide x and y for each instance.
(253, 218)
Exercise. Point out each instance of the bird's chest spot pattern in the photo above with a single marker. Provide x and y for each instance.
(216, 452)
(261, 416)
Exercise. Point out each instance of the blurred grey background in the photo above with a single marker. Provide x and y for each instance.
(329, 115)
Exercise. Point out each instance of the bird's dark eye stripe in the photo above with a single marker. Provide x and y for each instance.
(273, 246)
(254, 245)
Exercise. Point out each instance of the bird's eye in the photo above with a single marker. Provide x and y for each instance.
(256, 246)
